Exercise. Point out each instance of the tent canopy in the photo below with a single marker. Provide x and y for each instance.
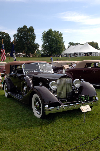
(81, 49)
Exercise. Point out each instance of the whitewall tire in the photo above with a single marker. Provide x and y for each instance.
(37, 106)
(6, 90)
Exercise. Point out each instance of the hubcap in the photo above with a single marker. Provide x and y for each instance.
(37, 106)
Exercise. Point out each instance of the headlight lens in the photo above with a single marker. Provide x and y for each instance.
(53, 85)
(77, 83)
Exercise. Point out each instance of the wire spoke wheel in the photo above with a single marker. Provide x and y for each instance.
(6, 90)
(37, 105)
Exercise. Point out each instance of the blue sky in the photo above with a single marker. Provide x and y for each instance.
(77, 20)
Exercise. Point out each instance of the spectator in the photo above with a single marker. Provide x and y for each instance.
(51, 59)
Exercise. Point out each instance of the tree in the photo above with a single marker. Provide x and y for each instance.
(52, 42)
(72, 44)
(25, 40)
(94, 44)
(6, 41)
(38, 53)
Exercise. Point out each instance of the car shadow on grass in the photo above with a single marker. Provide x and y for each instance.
(64, 114)
(16, 115)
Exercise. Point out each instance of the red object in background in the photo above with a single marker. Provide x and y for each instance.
(3, 57)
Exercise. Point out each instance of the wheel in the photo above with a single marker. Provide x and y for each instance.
(6, 90)
(38, 106)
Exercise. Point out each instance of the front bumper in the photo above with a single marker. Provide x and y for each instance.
(69, 106)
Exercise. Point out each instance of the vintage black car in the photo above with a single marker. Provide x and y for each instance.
(35, 83)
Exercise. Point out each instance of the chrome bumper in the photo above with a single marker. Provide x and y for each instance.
(69, 107)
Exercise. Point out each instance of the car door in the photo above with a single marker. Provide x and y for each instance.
(80, 73)
(92, 74)
(75, 73)
(88, 75)
(96, 76)
(17, 78)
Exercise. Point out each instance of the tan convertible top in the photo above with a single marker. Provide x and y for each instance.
(7, 66)
(62, 63)
(82, 64)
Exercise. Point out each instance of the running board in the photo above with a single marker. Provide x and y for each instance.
(16, 96)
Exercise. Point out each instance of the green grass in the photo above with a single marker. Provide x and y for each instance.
(54, 58)
(20, 130)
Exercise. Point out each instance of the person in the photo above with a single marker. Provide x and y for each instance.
(51, 59)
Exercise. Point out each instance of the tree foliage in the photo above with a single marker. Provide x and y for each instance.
(6, 41)
(25, 40)
(72, 44)
(52, 42)
(94, 44)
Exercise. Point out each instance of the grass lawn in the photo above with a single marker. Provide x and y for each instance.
(20, 130)
(55, 58)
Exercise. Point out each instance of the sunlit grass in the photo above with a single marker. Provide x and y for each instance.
(54, 58)
(21, 130)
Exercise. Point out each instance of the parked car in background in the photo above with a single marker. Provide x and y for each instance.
(89, 70)
(58, 66)
(36, 84)
(2, 68)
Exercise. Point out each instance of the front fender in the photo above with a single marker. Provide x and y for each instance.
(46, 96)
(88, 89)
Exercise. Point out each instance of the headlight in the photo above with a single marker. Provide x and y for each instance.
(53, 85)
(77, 83)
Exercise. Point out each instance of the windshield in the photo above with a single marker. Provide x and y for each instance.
(37, 67)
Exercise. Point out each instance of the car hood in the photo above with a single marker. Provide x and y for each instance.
(48, 75)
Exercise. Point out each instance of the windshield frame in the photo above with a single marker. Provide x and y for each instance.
(37, 67)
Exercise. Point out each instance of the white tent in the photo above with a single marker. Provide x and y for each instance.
(87, 48)
(76, 48)
(68, 50)
(80, 50)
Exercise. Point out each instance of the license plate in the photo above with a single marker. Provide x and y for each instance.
(85, 108)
